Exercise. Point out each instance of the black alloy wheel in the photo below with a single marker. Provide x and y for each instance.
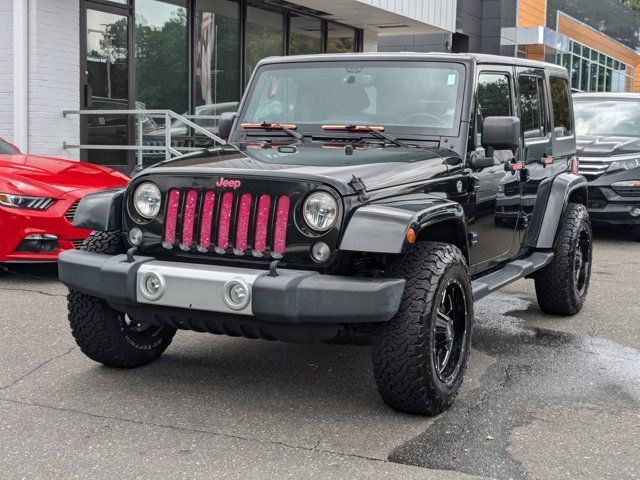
(449, 335)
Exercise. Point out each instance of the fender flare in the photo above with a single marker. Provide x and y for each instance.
(547, 214)
(382, 228)
(100, 211)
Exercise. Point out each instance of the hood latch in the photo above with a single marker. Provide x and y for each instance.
(358, 185)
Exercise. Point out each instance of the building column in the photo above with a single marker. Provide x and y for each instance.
(20, 75)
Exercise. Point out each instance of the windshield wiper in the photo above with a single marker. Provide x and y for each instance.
(377, 132)
(288, 129)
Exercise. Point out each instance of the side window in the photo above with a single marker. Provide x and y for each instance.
(494, 99)
(562, 125)
(532, 106)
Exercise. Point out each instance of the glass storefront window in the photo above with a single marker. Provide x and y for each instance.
(584, 76)
(575, 72)
(264, 37)
(607, 80)
(161, 54)
(340, 39)
(593, 71)
(305, 35)
(593, 82)
(107, 77)
(217, 55)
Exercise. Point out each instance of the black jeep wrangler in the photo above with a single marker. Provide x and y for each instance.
(364, 197)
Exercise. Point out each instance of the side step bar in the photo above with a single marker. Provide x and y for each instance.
(511, 272)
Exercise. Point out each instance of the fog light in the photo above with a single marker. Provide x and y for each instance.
(635, 212)
(320, 252)
(135, 237)
(39, 243)
(236, 294)
(152, 286)
(41, 236)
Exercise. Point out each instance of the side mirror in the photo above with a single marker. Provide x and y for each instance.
(225, 124)
(500, 133)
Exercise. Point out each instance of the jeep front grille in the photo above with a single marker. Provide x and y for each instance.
(226, 221)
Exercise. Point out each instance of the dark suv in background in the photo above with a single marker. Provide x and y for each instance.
(608, 146)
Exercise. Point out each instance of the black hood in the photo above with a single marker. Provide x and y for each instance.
(377, 166)
(606, 146)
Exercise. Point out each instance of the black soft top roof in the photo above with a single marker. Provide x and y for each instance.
(479, 58)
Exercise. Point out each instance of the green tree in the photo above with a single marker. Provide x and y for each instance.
(161, 63)
(633, 4)
(614, 18)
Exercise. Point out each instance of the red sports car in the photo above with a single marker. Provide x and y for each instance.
(38, 199)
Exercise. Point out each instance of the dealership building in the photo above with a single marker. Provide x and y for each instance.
(66, 62)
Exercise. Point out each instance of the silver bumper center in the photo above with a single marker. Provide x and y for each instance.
(199, 287)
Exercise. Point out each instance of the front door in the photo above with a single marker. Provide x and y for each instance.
(494, 218)
(106, 83)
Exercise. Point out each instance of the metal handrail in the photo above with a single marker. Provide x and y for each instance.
(168, 116)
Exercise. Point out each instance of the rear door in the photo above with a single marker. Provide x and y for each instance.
(546, 116)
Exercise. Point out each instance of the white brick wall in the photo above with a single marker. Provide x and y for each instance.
(6, 69)
(54, 75)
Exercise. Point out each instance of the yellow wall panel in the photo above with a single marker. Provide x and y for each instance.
(532, 13)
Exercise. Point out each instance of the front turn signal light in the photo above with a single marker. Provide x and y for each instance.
(411, 236)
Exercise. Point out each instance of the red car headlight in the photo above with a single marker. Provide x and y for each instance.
(28, 203)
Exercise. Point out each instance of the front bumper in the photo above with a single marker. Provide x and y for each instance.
(607, 207)
(291, 297)
(17, 224)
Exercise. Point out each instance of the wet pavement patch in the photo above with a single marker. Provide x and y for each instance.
(539, 376)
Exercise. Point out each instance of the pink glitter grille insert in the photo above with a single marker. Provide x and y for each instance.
(189, 217)
(225, 220)
(262, 221)
(242, 227)
(207, 219)
(280, 233)
(172, 217)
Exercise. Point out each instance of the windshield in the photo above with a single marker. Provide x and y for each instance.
(6, 149)
(600, 117)
(409, 97)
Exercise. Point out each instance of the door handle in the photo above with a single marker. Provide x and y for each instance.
(546, 159)
(513, 166)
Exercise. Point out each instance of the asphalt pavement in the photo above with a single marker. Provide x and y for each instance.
(544, 397)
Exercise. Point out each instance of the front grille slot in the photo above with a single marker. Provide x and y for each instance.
(71, 213)
(593, 167)
(627, 191)
(227, 222)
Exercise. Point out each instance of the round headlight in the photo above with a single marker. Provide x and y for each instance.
(320, 211)
(146, 200)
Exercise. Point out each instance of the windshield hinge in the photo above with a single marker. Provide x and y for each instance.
(358, 185)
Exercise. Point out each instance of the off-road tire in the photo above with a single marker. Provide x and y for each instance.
(558, 290)
(403, 363)
(105, 334)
